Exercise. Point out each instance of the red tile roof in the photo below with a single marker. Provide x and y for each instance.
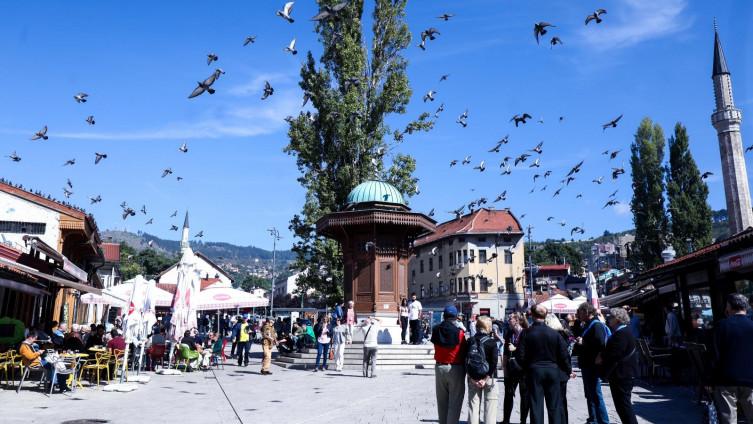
(111, 251)
(41, 200)
(206, 282)
(482, 221)
(554, 267)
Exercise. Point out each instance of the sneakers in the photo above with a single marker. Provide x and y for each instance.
(316, 369)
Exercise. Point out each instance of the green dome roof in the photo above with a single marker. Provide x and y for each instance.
(375, 191)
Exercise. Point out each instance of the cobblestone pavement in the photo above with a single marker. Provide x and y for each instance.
(242, 395)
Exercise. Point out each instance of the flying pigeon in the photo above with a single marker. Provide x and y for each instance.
(68, 182)
(143, 209)
(575, 169)
(81, 97)
(128, 212)
(330, 12)
(598, 180)
(453, 162)
(614, 193)
(539, 29)
(439, 110)
(429, 96)
(549, 218)
(199, 234)
(616, 172)
(99, 156)
(268, 90)
(445, 16)
(553, 42)
(166, 172)
(95, 199)
(183, 148)
(466, 160)
(522, 158)
(291, 48)
(444, 77)
(557, 192)
(520, 118)
(547, 174)
(611, 202)
(706, 175)
(535, 164)
(614, 154)
(150, 243)
(251, 39)
(611, 124)
(578, 230)
(749, 148)
(70, 162)
(431, 212)
(507, 171)
(501, 197)
(596, 16)
(463, 119)
(40, 134)
(67, 193)
(173, 228)
(285, 12)
(90, 120)
(429, 33)
(538, 149)
(211, 57)
(151, 220)
(179, 178)
(174, 214)
(481, 167)
(206, 85)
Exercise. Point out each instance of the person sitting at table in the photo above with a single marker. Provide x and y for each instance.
(72, 340)
(96, 337)
(158, 337)
(58, 333)
(117, 342)
(32, 356)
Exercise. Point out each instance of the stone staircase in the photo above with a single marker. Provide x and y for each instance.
(390, 357)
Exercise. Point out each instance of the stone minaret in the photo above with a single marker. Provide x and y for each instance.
(726, 119)
(184, 237)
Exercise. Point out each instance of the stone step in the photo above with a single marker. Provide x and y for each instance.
(355, 367)
(359, 355)
(290, 360)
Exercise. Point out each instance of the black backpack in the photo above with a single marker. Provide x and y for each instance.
(476, 364)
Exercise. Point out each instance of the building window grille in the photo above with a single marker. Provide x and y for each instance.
(18, 227)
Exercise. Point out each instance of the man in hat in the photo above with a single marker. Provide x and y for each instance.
(449, 371)
(269, 339)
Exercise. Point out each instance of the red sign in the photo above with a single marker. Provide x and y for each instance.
(735, 262)
(221, 297)
(560, 306)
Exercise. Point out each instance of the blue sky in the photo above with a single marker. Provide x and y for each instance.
(139, 61)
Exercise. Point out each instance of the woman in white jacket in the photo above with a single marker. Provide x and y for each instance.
(339, 338)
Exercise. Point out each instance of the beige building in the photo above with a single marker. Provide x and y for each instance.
(475, 262)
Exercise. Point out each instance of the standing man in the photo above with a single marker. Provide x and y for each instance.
(269, 339)
(672, 327)
(591, 343)
(543, 356)
(733, 350)
(414, 318)
(620, 364)
(243, 342)
(234, 335)
(449, 371)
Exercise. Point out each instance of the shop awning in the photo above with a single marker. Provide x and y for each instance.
(62, 282)
(626, 296)
(24, 288)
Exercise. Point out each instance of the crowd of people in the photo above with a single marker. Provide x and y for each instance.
(536, 363)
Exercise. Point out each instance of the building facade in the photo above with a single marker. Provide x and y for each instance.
(475, 262)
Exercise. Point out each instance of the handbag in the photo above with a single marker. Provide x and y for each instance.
(331, 354)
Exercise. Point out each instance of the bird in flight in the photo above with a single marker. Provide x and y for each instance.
(286, 11)
(68, 182)
(520, 118)
(553, 42)
(538, 147)
(429, 96)
(501, 197)
(614, 154)
(81, 97)
(463, 119)
(611, 124)
(445, 16)
(211, 57)
(535, 164)
(598, 180)
(206, 85)
(575, 169)
(14, 157)
(330, 12)
(268, 90)
(200, 234)
(610, 202)
(166, 172)
(430, 34)
(127, 211)
(173, 228)
(291, 48)
(40, 134)
(251, 39)
(98, 157)
(706, 175)
(70, 162)
(481, 167)
(444, 77)
(183, 148)
(174, 214)
(95, 199)
(143, 209)
(466, 160)
(596, 16)
(616, 172)
(522, 158)
(149, 222)
(578, 230)
(90, 120)
(539, 29)
(749, 148)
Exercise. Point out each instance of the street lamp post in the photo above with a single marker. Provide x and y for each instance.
(530, 265)
(275, 236)
(496, 268)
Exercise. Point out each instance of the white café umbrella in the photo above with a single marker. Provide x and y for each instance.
(560, 304)
(592, 291)
(132, 322)
(218, 297)
(119, 296)
(184, 305)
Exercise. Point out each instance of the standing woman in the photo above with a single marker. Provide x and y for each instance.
(403, 320)
(514, 376)
(321, 331)
(483, 388)
(338, 343)
(620, 364)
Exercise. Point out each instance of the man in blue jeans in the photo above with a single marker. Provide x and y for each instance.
(592, 342)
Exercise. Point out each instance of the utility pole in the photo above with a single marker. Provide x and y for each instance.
(275, 236)
(530, 264)
(496, 268)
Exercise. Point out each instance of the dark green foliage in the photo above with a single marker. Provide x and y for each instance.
(253, 281)
(647, 205)
(555, 253)
(687, 195)
(148, 262)
(340, 144)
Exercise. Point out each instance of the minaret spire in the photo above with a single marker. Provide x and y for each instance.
(726, 119)
(184, 236)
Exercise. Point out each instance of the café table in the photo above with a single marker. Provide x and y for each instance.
(73, 378)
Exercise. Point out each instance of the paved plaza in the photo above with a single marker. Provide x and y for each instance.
(242, 395)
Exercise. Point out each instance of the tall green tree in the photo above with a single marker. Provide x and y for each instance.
(687, 195)
(551, 252)
(343, 141)
(647, 205)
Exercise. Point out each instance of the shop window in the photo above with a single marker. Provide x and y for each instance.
(481, 256)
(508, 257)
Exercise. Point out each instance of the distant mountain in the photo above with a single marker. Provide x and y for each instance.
(219, 251)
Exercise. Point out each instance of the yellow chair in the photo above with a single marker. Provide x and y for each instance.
(117, 361)
(5, 361)
(100, 363)
(12, 363)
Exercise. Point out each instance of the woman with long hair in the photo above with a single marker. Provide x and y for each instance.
(322, 333)
(514, 377)
(403, 320)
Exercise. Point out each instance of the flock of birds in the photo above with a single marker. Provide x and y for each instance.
(543, 179)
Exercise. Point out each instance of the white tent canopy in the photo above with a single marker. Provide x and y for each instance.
(560, 304)
(218, 297)
(120, 295)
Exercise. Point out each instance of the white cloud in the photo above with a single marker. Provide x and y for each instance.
(637, 21)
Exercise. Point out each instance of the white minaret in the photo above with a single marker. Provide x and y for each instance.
(184, 236)
(726, 119)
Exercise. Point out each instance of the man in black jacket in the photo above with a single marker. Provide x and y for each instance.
(733, 349)
(592, 342)
(543, 354)
(620, 364)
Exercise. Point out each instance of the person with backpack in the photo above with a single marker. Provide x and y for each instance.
(480, 366)
(449, 371)
(543, 356)
(517, 325)
(592, 342)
